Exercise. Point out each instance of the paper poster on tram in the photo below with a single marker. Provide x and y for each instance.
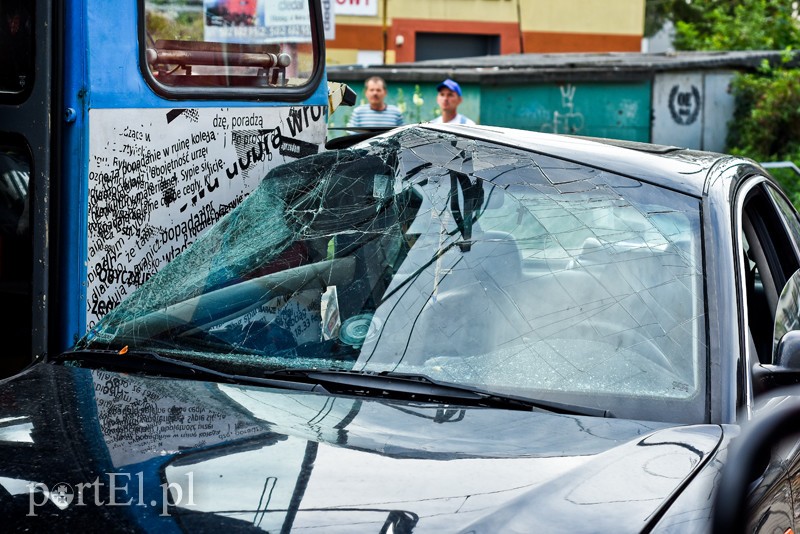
(160, 178)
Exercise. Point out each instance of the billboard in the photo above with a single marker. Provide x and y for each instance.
(257, 21)
(362, 8)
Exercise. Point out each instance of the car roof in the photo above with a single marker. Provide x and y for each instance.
(673, 167)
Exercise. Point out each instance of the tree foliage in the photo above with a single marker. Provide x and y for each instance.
(726, 24)
(767, 118)
(187, 26)
(766, 122)
(658, 12)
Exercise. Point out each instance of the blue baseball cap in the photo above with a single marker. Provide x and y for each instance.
(450, 84)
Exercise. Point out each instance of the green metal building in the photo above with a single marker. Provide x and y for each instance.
(676, 98)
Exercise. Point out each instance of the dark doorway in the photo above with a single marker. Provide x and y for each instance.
(450, 45)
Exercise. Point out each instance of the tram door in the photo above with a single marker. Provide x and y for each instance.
(26, 81)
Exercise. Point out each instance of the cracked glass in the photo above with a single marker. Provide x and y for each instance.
(461, 260)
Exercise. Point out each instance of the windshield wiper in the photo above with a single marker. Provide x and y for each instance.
(150, 363)
(386, 384)
(421, 388)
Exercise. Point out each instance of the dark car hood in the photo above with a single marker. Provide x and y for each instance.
(248, 457)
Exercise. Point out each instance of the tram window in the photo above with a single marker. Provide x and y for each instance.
(16, 47)
(230, 44)
(16, 256)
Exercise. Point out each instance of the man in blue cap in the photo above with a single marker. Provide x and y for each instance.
(448, 99)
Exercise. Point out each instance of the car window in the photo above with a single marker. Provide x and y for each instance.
(16, 248)
(769, 259)
(788, 215)
(16, 40)
(460, 260)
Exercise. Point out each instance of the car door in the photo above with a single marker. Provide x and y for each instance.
(768, 234)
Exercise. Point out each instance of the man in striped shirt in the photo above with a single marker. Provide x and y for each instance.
(377, 113)
(449, 98)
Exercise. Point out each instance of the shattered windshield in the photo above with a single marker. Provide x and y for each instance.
(465, 261)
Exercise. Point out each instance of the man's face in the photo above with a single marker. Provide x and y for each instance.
(376, 93)
(448, 100)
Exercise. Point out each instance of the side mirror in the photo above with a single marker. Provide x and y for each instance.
(787, 351)
(787, 320)
(785, 367)
(340, 94)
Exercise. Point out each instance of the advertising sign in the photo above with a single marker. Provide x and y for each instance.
(257, 21)
(359, 8)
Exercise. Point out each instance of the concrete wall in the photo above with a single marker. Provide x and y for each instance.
(581, 25)
(522, 26)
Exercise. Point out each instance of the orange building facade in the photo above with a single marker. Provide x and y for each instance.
(400, 31)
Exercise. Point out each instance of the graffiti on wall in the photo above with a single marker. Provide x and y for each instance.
(159, 178)
(684, 104)
(568, 120)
